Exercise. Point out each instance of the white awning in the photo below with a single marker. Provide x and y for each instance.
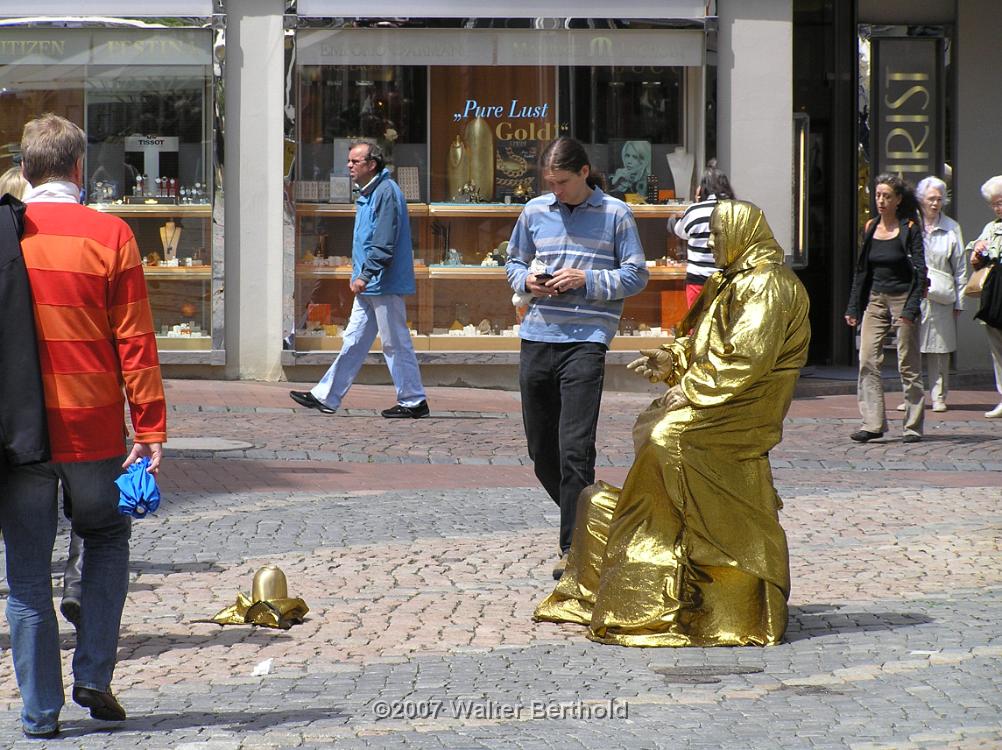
(676, 9)
(667, 47)
(110, 8)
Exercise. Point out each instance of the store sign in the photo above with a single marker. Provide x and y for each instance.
(907, 107)
(188, 47)
(43, 47)
(40, 46)
(687, 9)
(393, 47)
(519, 121)
(674, 47)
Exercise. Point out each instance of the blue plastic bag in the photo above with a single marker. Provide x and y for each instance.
(138, 491)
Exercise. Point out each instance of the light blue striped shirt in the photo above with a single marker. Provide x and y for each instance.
(600, 237)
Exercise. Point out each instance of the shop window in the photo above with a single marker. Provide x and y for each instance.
(143, 98)
(463, 125)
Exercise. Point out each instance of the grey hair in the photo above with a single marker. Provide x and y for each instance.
(992, 188)
(375, 151)
(932, 183)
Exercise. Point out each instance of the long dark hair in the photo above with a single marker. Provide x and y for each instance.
(908, 208)
(714, 182)
(568, 155)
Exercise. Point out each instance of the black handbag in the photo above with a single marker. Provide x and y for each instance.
(990, 310)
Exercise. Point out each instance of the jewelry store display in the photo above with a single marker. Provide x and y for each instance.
(681, 163)
(170, 236)
(480, 142)
(457, 170)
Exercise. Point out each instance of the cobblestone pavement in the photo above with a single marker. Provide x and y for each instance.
(422, 547)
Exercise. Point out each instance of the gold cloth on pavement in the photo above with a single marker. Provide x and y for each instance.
(690, 552)
(271, 613)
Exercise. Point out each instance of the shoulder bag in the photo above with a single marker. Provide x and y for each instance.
(976, 283)
(941, 287)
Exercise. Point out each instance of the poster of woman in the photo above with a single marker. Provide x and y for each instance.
(632, 165)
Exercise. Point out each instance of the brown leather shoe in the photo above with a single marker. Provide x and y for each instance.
(102, 706)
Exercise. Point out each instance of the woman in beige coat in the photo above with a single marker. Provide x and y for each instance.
(947, 269)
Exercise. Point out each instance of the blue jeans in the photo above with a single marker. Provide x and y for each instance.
(386, 315)
(28, 517)
(561, 397)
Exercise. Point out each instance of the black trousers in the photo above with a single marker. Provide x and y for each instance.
(561, 396)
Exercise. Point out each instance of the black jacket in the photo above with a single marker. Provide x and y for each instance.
(911, 241)
(24, 435)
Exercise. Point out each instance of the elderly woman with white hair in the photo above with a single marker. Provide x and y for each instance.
(947, 271)
(986, 249)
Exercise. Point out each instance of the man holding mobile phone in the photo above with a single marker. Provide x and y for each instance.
(588, 243)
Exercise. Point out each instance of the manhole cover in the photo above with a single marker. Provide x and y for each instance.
(810, 690)
(206, 444)
(702, 675)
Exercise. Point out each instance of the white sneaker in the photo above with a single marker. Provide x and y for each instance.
(901, 407)
(995, 413)
(939, 407)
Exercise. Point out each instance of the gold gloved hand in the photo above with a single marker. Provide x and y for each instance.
(675, 399)
(656, 364)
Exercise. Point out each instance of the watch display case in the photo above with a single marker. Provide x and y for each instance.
(463, 138)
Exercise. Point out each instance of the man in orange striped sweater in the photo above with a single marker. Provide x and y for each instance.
(95, 335)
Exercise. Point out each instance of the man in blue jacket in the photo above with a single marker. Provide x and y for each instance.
(382, 274)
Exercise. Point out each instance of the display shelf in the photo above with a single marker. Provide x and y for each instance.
(164, 210)
(442, 288)
(658, 211)
(177, 272)
(447, 343)
(667, 272)
(347, 210)
(309, 271)
(184, 343)
(495, 272)
(474, 210)
(462, 210)
(505, 210)
(466, 272)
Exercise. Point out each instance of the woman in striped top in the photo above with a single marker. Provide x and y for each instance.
(694, 228)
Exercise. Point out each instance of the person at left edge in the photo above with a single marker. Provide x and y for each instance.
(18, 370)
(94, 329)
(588, 241)
(382, 273)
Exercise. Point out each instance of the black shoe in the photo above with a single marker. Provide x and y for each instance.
(863, 436)
(307, 399)
(560, 567)
(407, 412)
(71, 611)
(102, 706)
(911, 439)
(50, 735)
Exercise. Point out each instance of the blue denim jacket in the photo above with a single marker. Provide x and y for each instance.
(381, 252)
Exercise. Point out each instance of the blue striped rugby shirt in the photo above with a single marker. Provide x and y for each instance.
(599, 236)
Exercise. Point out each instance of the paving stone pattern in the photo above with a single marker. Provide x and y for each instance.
(421, 578)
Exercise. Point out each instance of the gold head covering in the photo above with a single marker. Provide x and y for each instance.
(745, 237)
(745, 240)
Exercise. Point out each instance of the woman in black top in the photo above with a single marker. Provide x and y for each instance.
(888, 287)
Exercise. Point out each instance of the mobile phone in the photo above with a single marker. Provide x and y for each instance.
(542, 278)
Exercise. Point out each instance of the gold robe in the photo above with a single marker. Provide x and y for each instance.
(690, 552)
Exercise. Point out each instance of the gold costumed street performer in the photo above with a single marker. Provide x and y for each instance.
(690, 552)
